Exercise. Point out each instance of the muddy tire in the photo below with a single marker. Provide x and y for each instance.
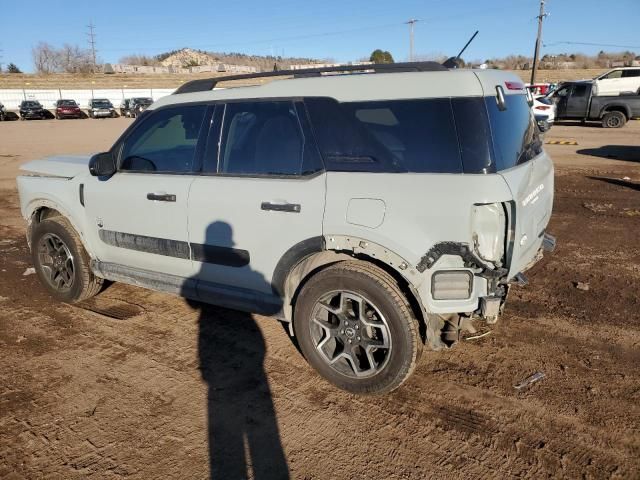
(614, 119)
(61, 262)
(357, 329)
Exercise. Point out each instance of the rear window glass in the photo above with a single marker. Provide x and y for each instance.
(514, 131)
(391, 136)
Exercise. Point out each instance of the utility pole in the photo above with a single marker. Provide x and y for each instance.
(536, 52)
(92, 42)
(411, 24)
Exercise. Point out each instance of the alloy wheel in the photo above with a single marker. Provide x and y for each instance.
(350, 334)
(56, 262)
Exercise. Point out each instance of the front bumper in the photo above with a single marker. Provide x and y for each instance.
(102, 113)
(67, 114)
(32, 114)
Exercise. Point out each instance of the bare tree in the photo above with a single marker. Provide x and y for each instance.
(68, 59)
(45, 58)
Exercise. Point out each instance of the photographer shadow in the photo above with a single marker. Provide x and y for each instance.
(243, 433)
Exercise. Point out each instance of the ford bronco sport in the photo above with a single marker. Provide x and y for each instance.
(374, 212)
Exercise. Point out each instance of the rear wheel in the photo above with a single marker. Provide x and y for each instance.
(357, 329)
(614, 119)
(61, 262)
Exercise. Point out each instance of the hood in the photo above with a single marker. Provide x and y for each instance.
(64, 166)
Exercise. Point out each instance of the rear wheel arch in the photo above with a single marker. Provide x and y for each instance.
(312, 264)
(615, 108)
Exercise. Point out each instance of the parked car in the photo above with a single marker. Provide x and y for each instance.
(575, 101)
(544, 109)
(2, 112)
(618, 81)
(101, 108)
(30, 109)
(132, 107)
(67, 109)
(374, 213)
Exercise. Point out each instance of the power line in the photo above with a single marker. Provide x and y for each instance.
(411, 24)
(92, 42)
(591, 44)
(536, 52)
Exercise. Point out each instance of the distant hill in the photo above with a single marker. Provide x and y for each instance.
(188, 57)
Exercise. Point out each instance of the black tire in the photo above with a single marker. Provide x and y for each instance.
(614, 119)
(83, 284)
(384, 305)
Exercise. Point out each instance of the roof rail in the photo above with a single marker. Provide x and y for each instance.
(205, 84)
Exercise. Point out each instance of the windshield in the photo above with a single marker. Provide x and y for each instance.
(101, 103)
(67, 103)
(143, 100)
(30, 104)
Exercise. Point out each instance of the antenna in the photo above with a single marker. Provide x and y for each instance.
(452, 62)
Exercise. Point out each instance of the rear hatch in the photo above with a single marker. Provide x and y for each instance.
(528, 171)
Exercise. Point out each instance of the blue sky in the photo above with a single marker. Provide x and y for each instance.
(339, 29)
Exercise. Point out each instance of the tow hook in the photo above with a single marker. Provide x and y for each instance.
(519, 279)
(548, 243)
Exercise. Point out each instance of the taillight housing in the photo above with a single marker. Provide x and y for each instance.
(514, 85)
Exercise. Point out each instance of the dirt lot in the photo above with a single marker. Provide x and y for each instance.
(85, 394)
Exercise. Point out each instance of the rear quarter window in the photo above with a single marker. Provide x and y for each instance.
(387, 136)
(514, 131)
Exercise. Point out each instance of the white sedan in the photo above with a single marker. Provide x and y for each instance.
(544, 109)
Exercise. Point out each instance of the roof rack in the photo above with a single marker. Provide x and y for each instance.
(205, 84)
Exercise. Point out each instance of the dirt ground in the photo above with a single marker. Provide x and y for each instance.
(142, 385)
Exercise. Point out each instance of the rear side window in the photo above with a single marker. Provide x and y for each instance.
(386, 136)
(631, 73)
(264, 138)
(165, 142)
(514, 131)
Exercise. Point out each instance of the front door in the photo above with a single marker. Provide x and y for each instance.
(139, 215)
(578, 101)
(261, 196)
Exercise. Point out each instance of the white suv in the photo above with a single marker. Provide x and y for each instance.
(617, 81)
(374, 213)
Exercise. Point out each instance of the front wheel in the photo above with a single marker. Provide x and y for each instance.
(614, 119)
(357, 329)
(61, 262)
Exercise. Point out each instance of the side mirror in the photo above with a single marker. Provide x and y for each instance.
(102, 165)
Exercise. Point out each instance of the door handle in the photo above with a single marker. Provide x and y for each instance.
(161, 197)
(281, 207)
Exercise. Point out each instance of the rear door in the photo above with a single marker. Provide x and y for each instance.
(631, 80)
(528, 171)
(261, 195)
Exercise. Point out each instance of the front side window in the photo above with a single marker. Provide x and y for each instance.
(579, 90)
(165, 142)
(614, 74)
(262, 138)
